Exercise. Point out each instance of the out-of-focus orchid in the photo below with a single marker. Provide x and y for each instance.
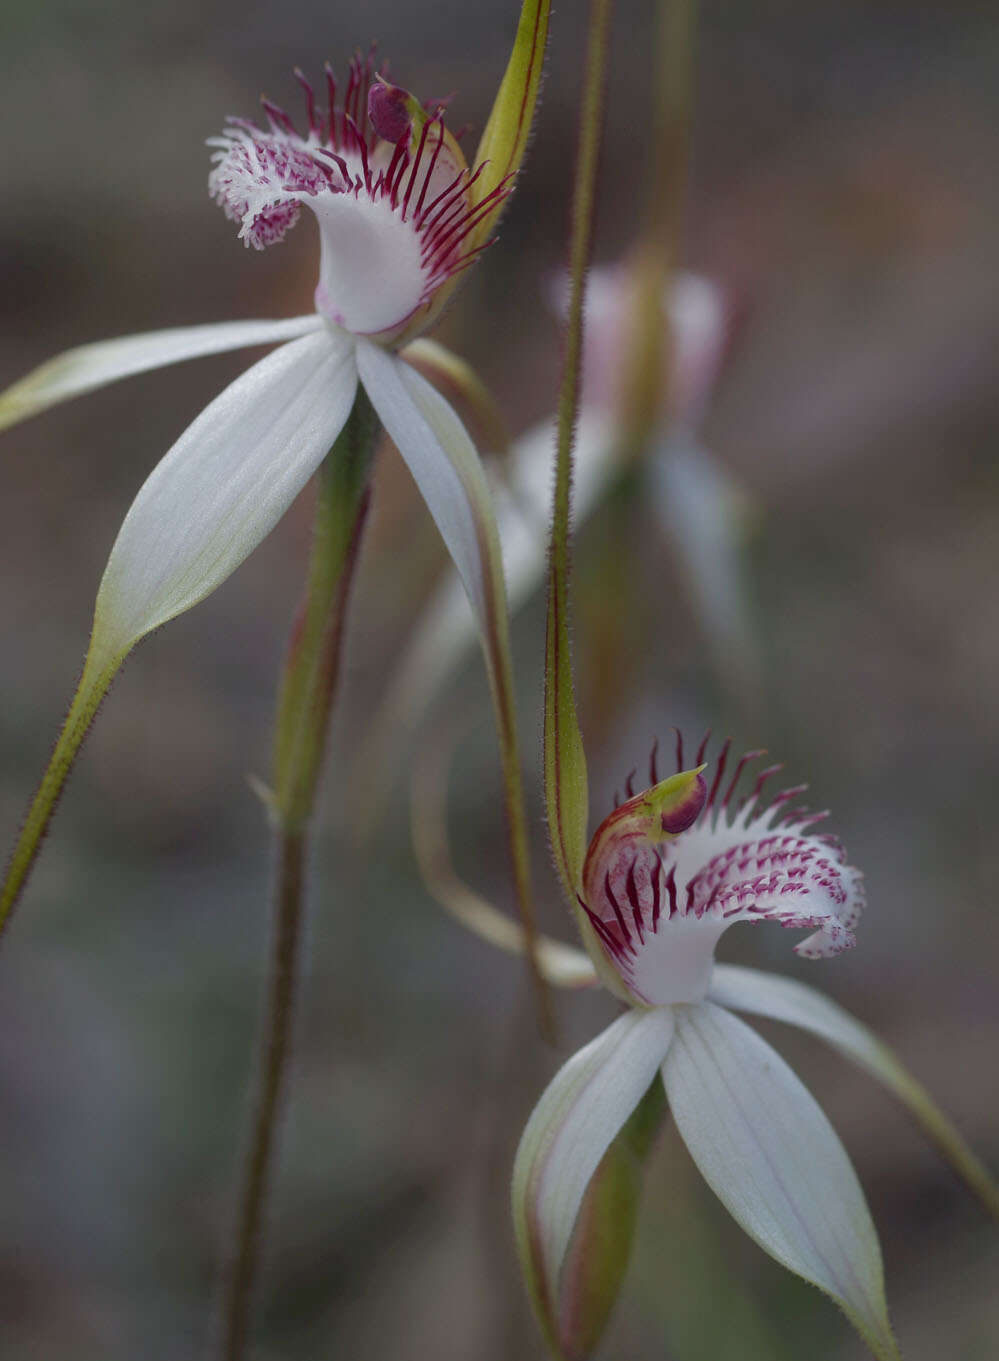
(400, 217)
(700, 509)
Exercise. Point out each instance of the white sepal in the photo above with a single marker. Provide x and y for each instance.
(445, 466)
(768, 1152)
(446, 631)
(93, 366)
(785, 999)
(582, 1110)
(223, 486)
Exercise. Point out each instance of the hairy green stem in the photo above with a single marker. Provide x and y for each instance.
(305, 702)
(565, 764)
(580, 246)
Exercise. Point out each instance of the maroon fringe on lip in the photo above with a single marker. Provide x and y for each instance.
(325, 161)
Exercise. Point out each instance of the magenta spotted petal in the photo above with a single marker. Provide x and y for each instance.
(659, 893)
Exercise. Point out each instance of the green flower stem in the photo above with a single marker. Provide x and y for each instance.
(564, 760)
(98, 673)
(501, 682)
(310, 673)
(274, 1050)
(305, 701)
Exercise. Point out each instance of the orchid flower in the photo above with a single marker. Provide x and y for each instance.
(666, 873)
(698, 505)
(653, 891)
(401, 217)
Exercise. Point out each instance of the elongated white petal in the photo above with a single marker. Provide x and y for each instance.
(580, 1113)
(785, 999)
(446, 631)
(773, 1159)
(223, 486)
(462, 386)
(600, 1248)
(444, 634)
(93, 366)
(445, 466)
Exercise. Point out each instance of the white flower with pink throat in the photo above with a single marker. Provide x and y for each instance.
(389, 188)
(401, 216)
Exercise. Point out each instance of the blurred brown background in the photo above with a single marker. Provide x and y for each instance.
(843, 188)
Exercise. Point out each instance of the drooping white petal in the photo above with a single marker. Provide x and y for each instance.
(445, 466)
(768, 1152)
(93, 366)
(580, 1113)
(446, 631)
(224, 485)
(785, 999)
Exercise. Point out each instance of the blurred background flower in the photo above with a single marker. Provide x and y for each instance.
(839, 190)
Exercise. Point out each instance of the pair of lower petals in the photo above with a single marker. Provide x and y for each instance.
(757, 1135)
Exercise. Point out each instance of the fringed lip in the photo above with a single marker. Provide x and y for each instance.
(389, 187)
(659, 902)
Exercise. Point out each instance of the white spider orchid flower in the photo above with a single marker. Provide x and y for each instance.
(665, 875)
(400, 218)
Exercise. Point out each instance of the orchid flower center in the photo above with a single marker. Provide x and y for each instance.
(388, 185)
(672, 868)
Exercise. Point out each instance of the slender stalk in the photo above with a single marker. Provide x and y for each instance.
(580, 246)
(273, 1060)
(500, 671)
(305, 702)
